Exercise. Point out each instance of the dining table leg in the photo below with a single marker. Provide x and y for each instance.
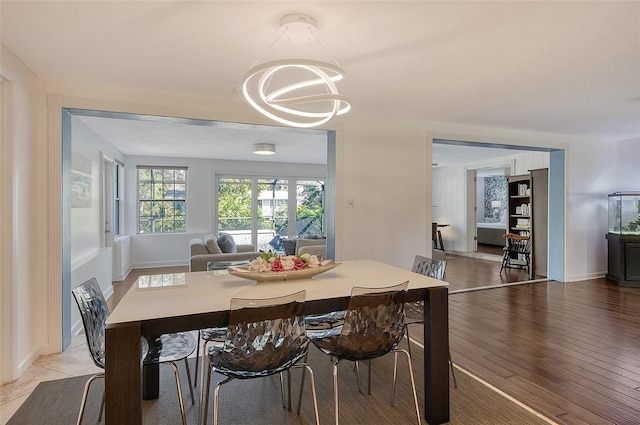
(436, 355)
(123, 374)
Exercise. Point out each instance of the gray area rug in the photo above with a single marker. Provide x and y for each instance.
(258, 401)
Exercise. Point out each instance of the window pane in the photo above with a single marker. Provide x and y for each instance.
(309, 208)
(180, 191)
(273, 203)
(144, 190)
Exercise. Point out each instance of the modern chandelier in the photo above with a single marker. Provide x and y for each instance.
(296, 92)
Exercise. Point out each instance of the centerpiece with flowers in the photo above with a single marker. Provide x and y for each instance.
(271, 266)
(273, 262)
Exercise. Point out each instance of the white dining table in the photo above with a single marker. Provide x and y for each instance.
(177, 302)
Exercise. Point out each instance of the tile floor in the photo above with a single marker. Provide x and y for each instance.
(74, 361)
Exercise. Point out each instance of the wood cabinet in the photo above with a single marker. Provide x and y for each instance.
(623, 259)
(528, 196)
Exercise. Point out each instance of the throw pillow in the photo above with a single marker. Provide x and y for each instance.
(212, 245)
(226, 243)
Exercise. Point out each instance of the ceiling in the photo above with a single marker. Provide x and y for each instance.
(569, 68)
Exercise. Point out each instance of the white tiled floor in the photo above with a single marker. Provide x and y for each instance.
(74, 361)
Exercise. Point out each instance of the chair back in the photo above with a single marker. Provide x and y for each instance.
(374, 323)
(429, 267)
(94, 312)
(264, 337)
(518, 244)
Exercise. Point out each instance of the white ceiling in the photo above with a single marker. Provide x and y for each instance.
(161, 136)
(570, 68)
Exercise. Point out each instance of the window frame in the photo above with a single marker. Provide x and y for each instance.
(152, 199)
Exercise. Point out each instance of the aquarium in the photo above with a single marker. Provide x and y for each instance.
(624, 213)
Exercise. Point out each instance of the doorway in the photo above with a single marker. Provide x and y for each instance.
(455, 197)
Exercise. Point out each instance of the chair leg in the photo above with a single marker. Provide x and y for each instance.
(175, 372)
(284, 403)
(306, 367)
(101, 407)
(369, 376)
(356, 365)
(453, 372)
(395, 373)
(335, 389)
(216, 399)
(197, 357)
(304, 361)
(203, 360)
(186, 365)
(84, 395)
(289, 389)
(406, 332)
(413, 384)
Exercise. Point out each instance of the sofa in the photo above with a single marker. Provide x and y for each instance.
(311, 244)
(313, 247)
(217, 249)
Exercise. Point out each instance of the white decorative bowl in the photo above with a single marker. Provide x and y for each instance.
(245, 273)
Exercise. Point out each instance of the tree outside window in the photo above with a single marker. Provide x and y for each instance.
(162, 200)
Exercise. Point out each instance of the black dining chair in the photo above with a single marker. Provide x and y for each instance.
(167, 348)
(373, 327)
(414, 313)
(517, 252)
(264, 337)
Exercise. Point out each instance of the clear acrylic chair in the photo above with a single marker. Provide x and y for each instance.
(167, 348)
(264, 337)
(415, 310)
(373, 327)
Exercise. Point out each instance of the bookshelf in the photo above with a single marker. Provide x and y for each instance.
(528, 214)
(520, 204)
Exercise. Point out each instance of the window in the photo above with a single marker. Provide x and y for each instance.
(257, 211)
(310, 207)
(162, 199)
(116, 197)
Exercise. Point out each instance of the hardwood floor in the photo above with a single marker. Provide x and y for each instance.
(468, 272)
(568, 350)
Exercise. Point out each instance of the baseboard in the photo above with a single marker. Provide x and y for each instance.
(26, 363)
(588, 276)
(123, 276)
(149, 265)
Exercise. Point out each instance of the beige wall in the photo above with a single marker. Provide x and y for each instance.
(23, 290)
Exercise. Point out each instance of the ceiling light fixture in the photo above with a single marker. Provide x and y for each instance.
(264, 149)
(296, 92)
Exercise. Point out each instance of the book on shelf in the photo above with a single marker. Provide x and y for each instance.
(523, 189)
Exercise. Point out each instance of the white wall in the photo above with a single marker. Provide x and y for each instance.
(89, 258)
(383, 164)
(628, 169)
